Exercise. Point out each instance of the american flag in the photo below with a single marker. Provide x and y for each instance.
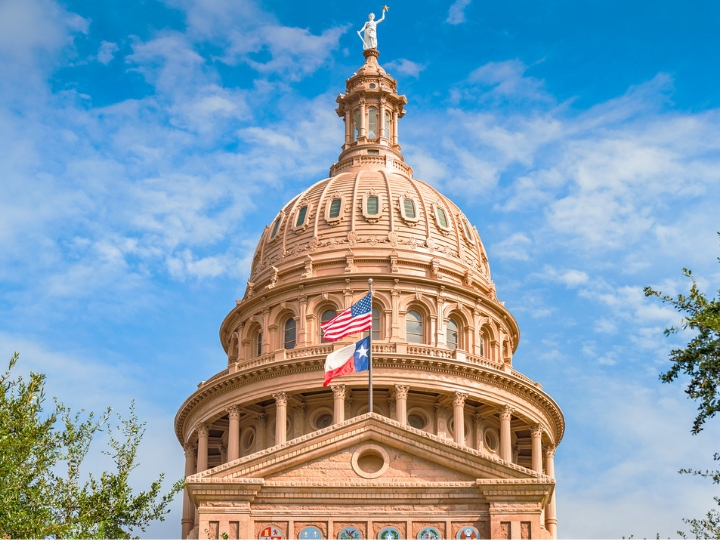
(356, 318)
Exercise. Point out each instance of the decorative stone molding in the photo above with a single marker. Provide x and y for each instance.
(401, 391)
(506, 412)
(370, 461)
(459, 398)
(549, 451)
(281, 398)
(536, 430)
(338, 391)
(202, 430)
(233, 412)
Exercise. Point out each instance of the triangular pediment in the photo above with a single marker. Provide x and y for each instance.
(357, 449)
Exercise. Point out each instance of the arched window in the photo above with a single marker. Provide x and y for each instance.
(275, 228)
(442, 217)
(290, 333)
(414, 327)
(372, 123)
(301, 215)
(453, 334)
(327, 315)
(356, 124)
(484, 344)
(386, 125)
(375, 323)
(258, 344)
(372, 205)
(335, 208)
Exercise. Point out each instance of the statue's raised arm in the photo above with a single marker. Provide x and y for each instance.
(368, 33)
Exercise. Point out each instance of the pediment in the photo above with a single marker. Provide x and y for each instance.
(409, 456)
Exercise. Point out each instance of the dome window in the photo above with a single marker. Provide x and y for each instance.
(467, 231)
(441, 219)
(372, 206)
(372, 123)
(414, 327)
(334, 209)
(276, 226)
(408, 210)
(453, 334)
(301, 215)
(290, 334)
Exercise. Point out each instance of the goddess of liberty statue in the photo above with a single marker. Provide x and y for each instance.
(368, 33)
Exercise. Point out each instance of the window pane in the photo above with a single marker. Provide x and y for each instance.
(301, 216)
(386, 124)
(410, 208)
(372, 206)
(335, 208)
(442, 218)
(413, 327)
(258, 344)
(327, 315)
(375, 323)
(356, 125)
(290, 334)
(275, 228)
(452, 334)
(372, 124)
(468, 234)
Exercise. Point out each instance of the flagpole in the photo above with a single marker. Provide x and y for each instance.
(370, 395)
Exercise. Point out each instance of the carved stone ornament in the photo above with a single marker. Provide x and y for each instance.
(338, 391)
(506, 412)
(308, 267)
(459, 398)
(273, 278)
(233, 412)
(281, 398)
(536, 430)
(401, 391)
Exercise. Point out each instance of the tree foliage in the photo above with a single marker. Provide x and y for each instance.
(700, 361)
(39, 502)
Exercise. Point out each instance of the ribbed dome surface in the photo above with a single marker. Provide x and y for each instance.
(371, 218)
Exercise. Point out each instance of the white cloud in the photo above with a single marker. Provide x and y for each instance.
(405, 66)
(514, 247)
(107, 52)
(456, 15)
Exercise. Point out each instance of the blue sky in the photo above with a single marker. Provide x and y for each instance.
(145, 144)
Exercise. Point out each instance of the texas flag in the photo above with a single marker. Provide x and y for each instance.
(350, 359)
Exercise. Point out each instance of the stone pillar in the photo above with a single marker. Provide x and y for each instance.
(401, 394)
(261, 430)
(188, 513)
(233, 447)
(339, 403)
(505, 435)
(395, 321)
(202, 457)
(363, 121)
(394, 128)
(479, 423)
(348, 127)
(459, 416)
(281, 400)
(536, 432)
(299, 420)
(433, 330)
(223, 453)
(302, 336)
(265, 331)
(441, 414)
(550, 512)
(476, 337)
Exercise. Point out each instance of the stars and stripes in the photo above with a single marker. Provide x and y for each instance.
(356, 318)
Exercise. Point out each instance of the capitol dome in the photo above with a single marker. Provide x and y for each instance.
(458, 444)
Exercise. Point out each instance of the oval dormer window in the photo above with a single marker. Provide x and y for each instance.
(335, 208)
(409, 205)
(467, 230)
(372, 205)
(276, 227)
(301, 215)
(442, 217)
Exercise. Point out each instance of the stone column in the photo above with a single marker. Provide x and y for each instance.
(223, 453)
(433, 330)
(479, 423)
(395, 321)
(363, 121)
(441, 414)
(459, 416)
(505, 435)
(395, 128)
(401, 394)
(339, 403)
(265, 331)
(188, 513)
(348, 127)
(550, 512)
(281, 400)
(302, 337)
(202, 458)
(299, 420)
(233, 447)
(536, 432)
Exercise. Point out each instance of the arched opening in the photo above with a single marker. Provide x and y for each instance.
(290, 333)
(335, 208)
(258, 344)
(376, 334)
(414, 327)
(386, 125)
(356, 124)
(372, 123)
(452, 334)
(372, 205)
(301, 215)
(326, 316)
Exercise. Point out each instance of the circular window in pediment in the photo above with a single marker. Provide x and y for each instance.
(324, 420)
(370, 461)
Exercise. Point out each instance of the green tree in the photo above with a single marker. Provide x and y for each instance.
(700, 361)
(37, 501)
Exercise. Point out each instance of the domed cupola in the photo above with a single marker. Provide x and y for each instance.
(371, 108)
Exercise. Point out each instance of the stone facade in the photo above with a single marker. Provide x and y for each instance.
(458, 445)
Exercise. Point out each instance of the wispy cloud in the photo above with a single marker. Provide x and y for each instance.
(406, 67)
(456, 15)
